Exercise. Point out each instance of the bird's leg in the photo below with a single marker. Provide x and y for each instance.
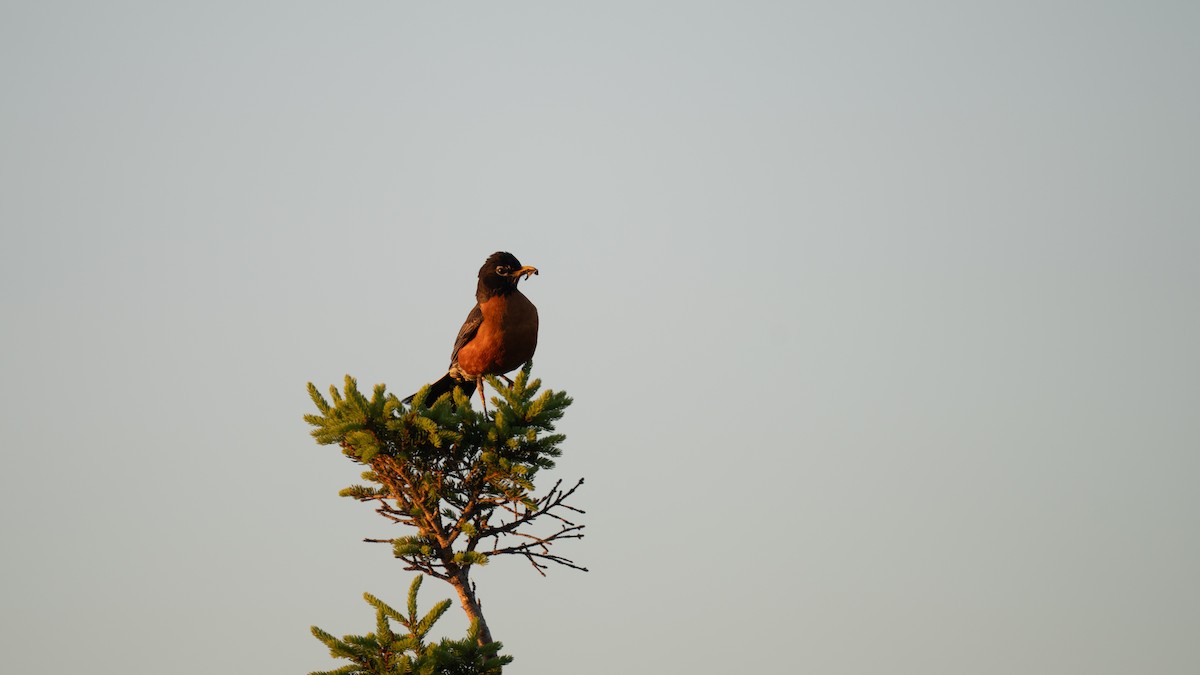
(482, 397)
(507, 379)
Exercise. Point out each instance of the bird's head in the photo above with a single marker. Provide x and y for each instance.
(501, 272)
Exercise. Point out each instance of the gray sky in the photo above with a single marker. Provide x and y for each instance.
(880, 319)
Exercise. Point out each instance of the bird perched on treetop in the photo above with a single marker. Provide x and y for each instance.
(499, 334)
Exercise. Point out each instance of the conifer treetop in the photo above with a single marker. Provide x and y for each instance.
(463, 480)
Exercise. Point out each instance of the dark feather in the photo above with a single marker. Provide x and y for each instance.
(465, 334)
(447, 383)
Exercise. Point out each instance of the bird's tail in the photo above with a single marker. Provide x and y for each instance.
(447, 383)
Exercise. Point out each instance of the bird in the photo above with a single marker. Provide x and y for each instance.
(500, 333)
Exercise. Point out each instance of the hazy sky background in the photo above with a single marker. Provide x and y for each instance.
(881, 320)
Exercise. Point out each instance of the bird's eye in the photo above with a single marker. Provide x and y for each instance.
(502, 270)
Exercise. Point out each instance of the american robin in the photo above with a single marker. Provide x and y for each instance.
(499, 334)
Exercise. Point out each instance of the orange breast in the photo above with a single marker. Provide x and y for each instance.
(506, 339)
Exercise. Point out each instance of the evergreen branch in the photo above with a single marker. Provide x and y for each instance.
(532, 557)
(554, 499)
(537, 542)
(386, 652)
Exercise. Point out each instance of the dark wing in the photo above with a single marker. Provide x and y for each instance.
(465, 334)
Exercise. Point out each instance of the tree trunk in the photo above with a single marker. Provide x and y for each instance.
(470, 604)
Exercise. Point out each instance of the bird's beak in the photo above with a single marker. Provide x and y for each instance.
(525, 272)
